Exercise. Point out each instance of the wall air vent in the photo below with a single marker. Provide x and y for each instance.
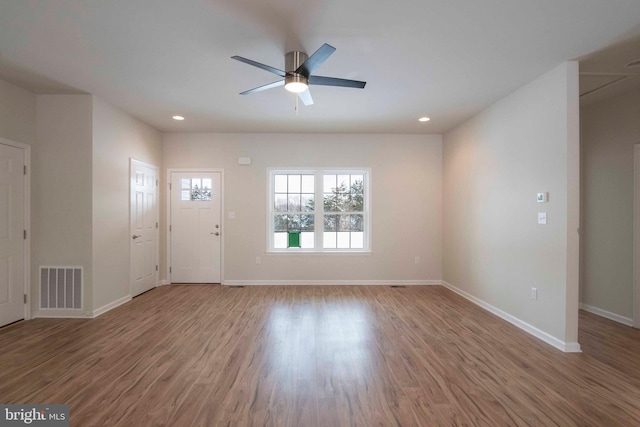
(61, 288)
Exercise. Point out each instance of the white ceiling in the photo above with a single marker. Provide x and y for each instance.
(443, 59)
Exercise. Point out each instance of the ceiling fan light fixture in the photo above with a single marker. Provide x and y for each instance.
(296, 83)
(424, 119)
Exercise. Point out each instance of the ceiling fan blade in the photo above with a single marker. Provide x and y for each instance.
(259, 65)
(332, 81)
(315, 60)
(263, 87)
(305, 97)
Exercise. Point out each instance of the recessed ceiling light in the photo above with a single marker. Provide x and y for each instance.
(424, 119)
(634, 64)
(178, 118)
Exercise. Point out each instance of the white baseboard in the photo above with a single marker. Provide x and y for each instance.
(549, 339)
(607, 314)
(80, 314)
(330, 282)
(97, 312)
(164, 283)
(61, 314)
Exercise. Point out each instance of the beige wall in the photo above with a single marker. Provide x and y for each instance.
(406, 199)
(62, 188)
(609, 130)
(17, 113)
(117, 137)
(80, 191)
(494, 164)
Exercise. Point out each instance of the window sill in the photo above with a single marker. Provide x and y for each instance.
(336, 252)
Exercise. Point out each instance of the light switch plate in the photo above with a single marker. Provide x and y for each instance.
(543, 197)
(542, 217)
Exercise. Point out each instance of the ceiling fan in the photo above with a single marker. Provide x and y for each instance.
(298, 74)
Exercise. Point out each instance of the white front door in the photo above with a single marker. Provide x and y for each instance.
(195, 227)
(12, 238)
(144, 227)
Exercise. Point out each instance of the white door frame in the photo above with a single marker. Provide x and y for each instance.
(133, 161)
(222, 226)
(636, 235)
(27, 221)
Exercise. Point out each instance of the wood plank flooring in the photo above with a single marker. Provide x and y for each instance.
(317, 356)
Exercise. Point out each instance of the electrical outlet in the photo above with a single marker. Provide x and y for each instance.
(534, 293)
(258, 260)
(417, 260)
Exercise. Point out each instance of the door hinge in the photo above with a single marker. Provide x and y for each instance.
(157, 182)
(25, 169)
(169, 229)
(25, 234)
(169, 269)
(156, 225)
(169, 186)
(156, 268)
(25, 298)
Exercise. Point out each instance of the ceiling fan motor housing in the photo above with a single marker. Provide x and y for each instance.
(292, 62)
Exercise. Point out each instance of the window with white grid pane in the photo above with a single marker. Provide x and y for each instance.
(319, 210)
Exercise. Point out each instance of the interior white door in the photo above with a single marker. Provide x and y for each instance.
(144, 227)
(12, 241)
(195, 227)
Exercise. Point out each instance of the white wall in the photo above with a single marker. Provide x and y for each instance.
(406, 201)
(609, 130)
(494, 164)
(117, 137)
(17, 113)
(62, 188)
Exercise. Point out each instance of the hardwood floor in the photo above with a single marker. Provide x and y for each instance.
(317, 356)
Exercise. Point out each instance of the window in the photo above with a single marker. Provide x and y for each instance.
(318, 210)
(195, 189)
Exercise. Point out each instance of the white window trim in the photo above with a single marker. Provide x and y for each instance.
(319, 220)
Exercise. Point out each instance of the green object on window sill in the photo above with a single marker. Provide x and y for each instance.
(294, 239)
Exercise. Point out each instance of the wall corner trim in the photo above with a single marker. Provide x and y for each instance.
(541, 335)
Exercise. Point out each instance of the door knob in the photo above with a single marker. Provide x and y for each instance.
(216, 233)
(135, 236)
